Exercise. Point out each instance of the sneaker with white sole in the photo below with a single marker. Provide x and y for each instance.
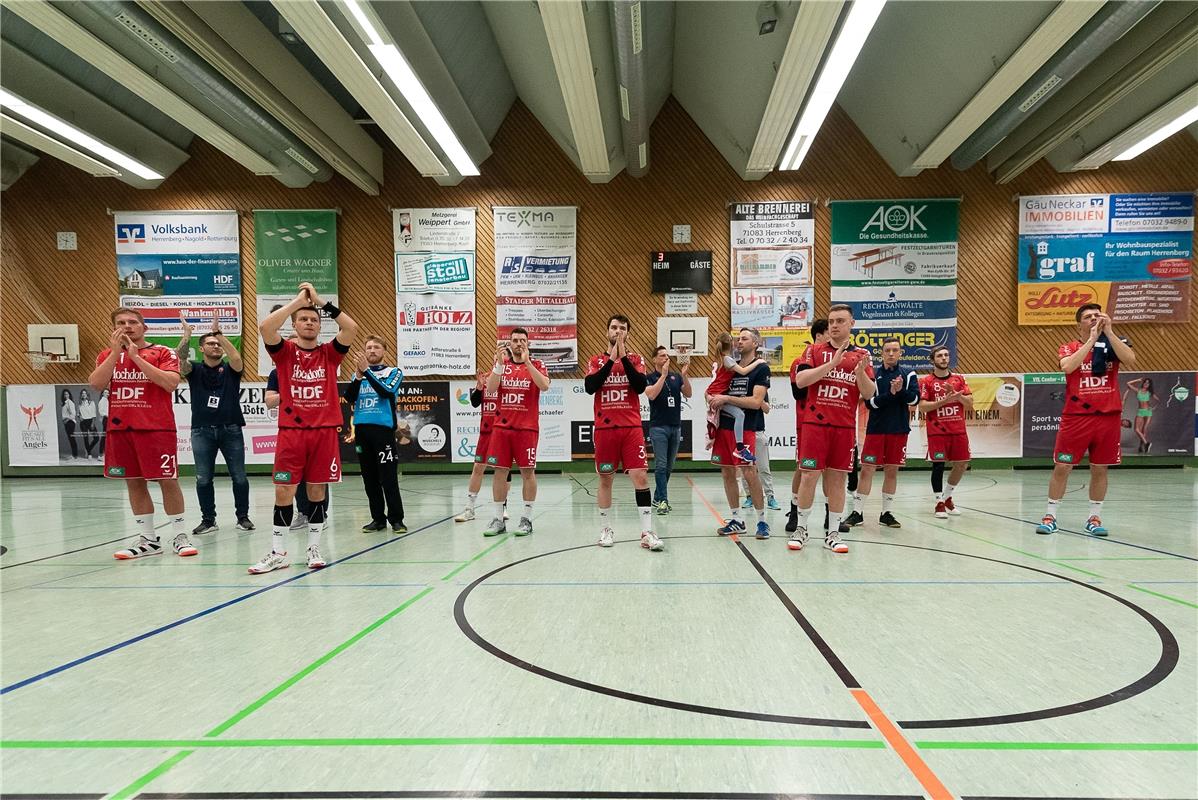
(465, 516)
(244, 524)
(183, 546)
(887, 520)
(663, 508)
(833, 543)
(763, 530)
(649, 541)
(771, 503)
(1094, 526)
(730, 527)
(950, 508)
(607, 537)
(524, 526)
(798, 538)
(747, 502)
(1047, 525)
(941, 510)
(269, 563)
(496, 528)
(315, 559)
(205, 526)
(300, 522)
(144, 546)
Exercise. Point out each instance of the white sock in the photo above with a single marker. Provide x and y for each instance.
(528, 509)
(1053, 507)
(850, 499)
(178, 525)
(278, 540)
(834, 518)
(760, 514)
(603, 512)
(948, 490)
(734, 512)
(804, 513)
(471, 498)
(858, 501)
(646, 518)
(145, 525)
(499, 507)
(887, 502)
(1095, 508)
(314, 534)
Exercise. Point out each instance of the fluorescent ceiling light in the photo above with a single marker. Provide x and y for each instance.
(1162, 133)
(404, 77)
(51, 146)
(862, 16)
(51, 123)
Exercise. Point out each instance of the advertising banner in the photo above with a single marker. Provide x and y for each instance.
(1133, 253)
(435, 333)
(292, 246)
(995, 425)
(180, 261)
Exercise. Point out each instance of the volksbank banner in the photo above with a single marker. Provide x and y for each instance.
(292, 246)
(1133, 253)
(180, 263)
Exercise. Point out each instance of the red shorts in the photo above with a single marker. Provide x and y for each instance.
(1097, 434)
(798, 442)
(307, 455)
(151, 455)
(723, 450)
(948, 447)
(827, 447)
(884, 449)
(510, 445)
(616, 446)
(481, 446)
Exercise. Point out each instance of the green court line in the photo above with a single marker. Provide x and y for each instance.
(1120, 558)
(315, 665)
(572, 741)
(135, 787)
(1061, 563)
(465, 564)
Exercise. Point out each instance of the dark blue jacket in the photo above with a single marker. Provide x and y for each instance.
(891, 413)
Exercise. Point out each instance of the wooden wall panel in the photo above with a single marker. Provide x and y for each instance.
(619, 224)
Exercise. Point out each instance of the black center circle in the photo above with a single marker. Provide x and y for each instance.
(1165, 664)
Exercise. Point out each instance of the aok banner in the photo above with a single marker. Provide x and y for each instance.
(291, 247)
(180, 262)
(1133, 253)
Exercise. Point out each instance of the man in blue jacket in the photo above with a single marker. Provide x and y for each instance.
(373, 396)
(886, 432)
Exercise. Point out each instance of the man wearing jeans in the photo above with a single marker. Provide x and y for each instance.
(216, 421)
(665, 391)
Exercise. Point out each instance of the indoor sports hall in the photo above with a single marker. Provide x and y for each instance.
(598, 399)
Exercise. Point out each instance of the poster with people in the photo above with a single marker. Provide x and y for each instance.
(1131, 253)
(292, 246)
(173, 262)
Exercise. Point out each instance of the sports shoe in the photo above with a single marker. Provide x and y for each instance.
(941, 510)
(833, 543)
(763, 530)
(797, 539)
(244, 524)
(1094, 526)
(649, 541)
(853, 519)
(524, 526)
(205, 526)
(183, 546)
(1047, 525)
(663, 508)
(747, 502)
(270, 562)
(607, 537)
(144, 546)
(771, 503)
(745, 455)
(887, 519)
(950, 508)
(496, 528)
(730, 527)
(299, 523)
(315, 559)
(465, 516)
(399, 527)
(792, 519)
(374, 525)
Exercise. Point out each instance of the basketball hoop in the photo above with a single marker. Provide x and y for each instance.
(684, 353)
(38, 359)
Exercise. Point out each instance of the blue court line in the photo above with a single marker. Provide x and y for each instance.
(781, 583)
(170, 625)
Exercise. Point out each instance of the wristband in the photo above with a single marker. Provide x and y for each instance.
(330, 309)
(497, 370)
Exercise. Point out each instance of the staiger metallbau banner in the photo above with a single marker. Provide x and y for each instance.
(1132, 253)
(180, 262)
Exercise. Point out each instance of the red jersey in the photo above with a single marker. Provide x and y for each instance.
(1087, 394)
(948, 419)
(721, 379)
(490, 406)
(833, 399)
(616, 405)
(135, 403)
(519, 397)
(308, 385)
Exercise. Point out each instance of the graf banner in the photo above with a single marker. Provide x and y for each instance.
(180, 262)
(292, 246)
(1133, 253)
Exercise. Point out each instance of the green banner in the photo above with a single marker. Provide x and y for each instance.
(292, 246)
(931, 220)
